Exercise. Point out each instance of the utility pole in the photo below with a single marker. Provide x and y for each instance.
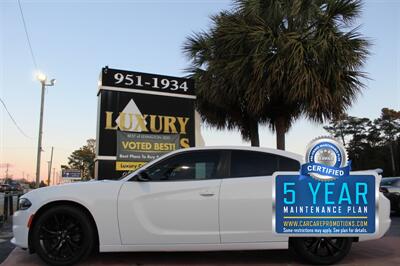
(54, 176)
(6, 171)
(42, 78)
(50, 163)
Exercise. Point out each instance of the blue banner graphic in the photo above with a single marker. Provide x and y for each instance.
(322, 169)
(340, 206)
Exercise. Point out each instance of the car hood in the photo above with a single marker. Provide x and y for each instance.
(91, 192)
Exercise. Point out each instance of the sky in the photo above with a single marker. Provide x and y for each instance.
(73, 40)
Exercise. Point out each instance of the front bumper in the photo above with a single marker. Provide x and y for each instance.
(20, 228)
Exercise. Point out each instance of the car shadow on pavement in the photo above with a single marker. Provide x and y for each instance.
(384, 251)
(269, 257)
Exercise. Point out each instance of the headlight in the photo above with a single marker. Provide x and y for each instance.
(24, 204)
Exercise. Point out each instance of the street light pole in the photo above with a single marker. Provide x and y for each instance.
(50, 164)
(39, 150)
(42, 78)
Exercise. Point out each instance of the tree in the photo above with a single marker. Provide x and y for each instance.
(358, 128)
(83, 159)
(271, 61)
(389, 124)
(371, 144)
(337, 127)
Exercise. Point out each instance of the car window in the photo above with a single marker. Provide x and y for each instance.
(250, 163)
(385, 182)
(287, 164)
(195, 165)
(390, 182)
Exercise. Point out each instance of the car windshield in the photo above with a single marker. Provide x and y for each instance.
(125, 174)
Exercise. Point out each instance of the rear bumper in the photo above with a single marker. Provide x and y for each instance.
(20, 228)
(383, 219)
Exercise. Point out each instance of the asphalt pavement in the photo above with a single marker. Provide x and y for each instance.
(384, 251)
(5, 236)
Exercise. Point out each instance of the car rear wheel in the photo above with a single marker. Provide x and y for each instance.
(322, 250)
(398, 206)
(63, 235)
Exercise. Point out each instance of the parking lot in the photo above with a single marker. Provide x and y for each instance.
(385, 251)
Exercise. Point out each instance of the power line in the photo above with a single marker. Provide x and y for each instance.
(12, 118)
(27, 35)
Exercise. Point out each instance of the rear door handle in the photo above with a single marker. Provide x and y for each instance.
(207, 194)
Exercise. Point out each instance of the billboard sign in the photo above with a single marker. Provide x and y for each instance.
(71, 173)
(136, 149)
(134, 105)
(147, 82)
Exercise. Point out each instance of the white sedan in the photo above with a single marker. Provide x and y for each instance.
(196, 199)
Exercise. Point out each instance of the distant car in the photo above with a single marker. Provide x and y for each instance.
(193, 199)
(5, 188)
(15, 186)
(390, 187)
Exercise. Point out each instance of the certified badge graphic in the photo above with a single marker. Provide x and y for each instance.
(326, 160)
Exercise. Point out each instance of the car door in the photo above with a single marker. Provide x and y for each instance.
(179, 203)
(246, 196)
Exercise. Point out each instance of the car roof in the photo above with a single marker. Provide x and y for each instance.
(283, 153)
(287, 154)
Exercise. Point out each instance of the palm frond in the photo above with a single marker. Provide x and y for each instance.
(266, 60)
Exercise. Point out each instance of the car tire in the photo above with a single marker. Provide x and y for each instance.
(63, 235)
(321, 250)
(398, 205)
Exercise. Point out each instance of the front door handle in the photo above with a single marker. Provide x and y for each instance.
(207, 194)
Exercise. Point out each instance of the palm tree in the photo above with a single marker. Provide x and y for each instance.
(272, 61)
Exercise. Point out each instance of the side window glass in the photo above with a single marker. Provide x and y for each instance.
(252, 163)
(287, 164)
(249, 163)
(196, 165)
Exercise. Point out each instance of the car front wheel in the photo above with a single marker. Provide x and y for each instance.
(63, 235)
(321, 250)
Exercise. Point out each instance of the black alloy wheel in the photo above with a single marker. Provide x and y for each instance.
(322, 250)
(63, 235)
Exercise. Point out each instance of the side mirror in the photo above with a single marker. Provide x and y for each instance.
(142, 177)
